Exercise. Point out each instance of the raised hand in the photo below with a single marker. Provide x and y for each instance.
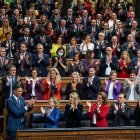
(116, 107)
(8, 78)
(89, 104)
(42, 110)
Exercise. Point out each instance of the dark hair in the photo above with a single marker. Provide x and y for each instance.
(60, 48)
(38, 72)
(133, 72)
(17, 86)
(122, 94)
(92, 67)
(7, 33)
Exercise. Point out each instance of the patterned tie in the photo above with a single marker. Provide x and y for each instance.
(22, 64)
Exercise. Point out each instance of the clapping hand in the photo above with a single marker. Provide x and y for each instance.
(30, 102)
(42, 110)
(123, 106)
(116, 107)
(8, 78)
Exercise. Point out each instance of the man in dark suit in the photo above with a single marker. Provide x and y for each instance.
(91, 85)
(41, 60)
(44, 40)
(4, 62)
(108, 63)
(10, 45)
(131, 46)
(120, 112)
(23, 61)
(62, 31)
(16, 108)
(9, 81)
(135, 63)
(26, 38)
(100, 46)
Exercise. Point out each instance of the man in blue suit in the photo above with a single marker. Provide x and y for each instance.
(16, 108)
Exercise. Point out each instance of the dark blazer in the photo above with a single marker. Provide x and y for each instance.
(30, 43)
(38, 90)
(100, 49)
(133, 64)
(69, 21)
(121, 118)
(69, 89)
(27, 64)
(52, 120)
(137, 115)
(46, 43)
(14, 47)
(15, 114)
(103, 65)
(90, 92)
(132, 51)
(73, 117)
(6, 86)
(42, 66)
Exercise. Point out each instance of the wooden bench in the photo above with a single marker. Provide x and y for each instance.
(114, 133)
(64, 81)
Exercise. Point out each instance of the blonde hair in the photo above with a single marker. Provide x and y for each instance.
(58, 77)
(56, 102)
(78, 76)
(128, 58)
(75, 96)
(8, 28)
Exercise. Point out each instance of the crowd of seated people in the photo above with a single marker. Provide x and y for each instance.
(91, 39)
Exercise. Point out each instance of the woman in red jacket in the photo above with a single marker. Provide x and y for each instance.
(97, 113)
(52, 85)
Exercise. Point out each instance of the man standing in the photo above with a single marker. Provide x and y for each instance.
(120, 112)
(16, 108)
(91, 85)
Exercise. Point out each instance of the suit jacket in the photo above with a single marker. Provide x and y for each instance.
(127, 90)
(14, 47)
(42, 66)
(38, 90)
(69, 89)
(30, 43)
(132, 51)
(46, 42)
(73, 117)
(100, 117)
(4, 66)
(52, 120)
(103, 65)
(26, 64)
(16, 118)
(90, 92)
(48, 88)
(100, 49)
(137, 115)
(6, 86)
(121, 117)
(133, 65)
(116, 90)
(69, 21)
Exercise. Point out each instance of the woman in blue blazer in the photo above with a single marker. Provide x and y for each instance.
(51, 114)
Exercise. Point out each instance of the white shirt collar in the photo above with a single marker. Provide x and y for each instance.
(15, 97)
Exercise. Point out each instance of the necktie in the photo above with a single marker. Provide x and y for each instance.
(12, 83)
(18, 100)
(10, 49)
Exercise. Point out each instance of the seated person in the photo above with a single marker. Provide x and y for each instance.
(59, 61)
(74, 85)
(73, 111)
(51, 114)
(132, 87)
(137, 114)
(97, 113)
(52, 85)
(34, 87)
(112, 86)
(120, 112)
